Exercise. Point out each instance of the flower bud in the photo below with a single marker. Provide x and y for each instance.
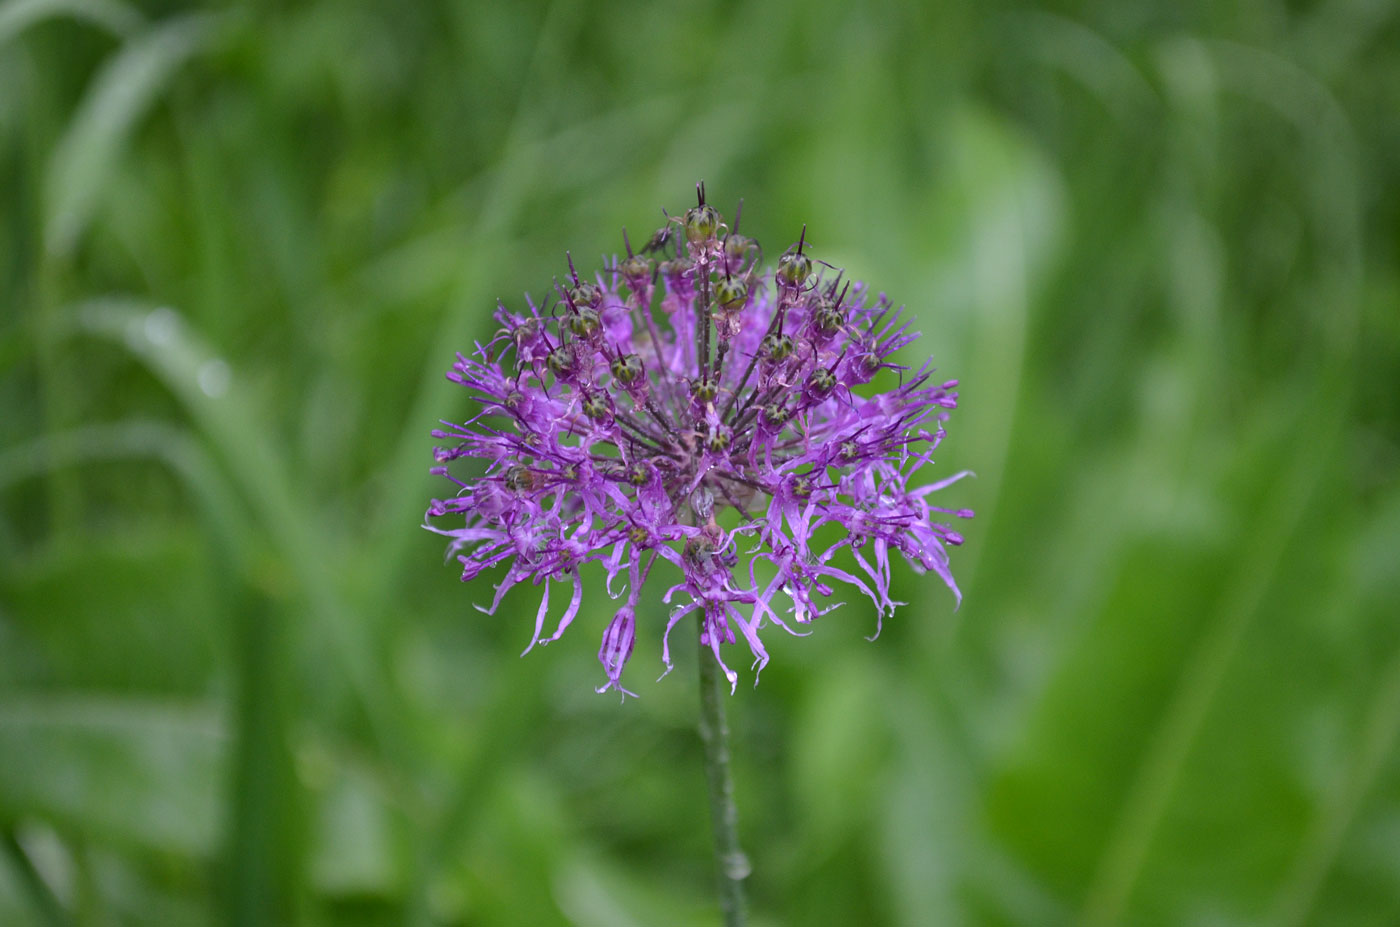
(618, 640)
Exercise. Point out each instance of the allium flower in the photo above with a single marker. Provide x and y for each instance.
(708, 414)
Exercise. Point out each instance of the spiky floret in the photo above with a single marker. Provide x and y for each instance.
(623, 418)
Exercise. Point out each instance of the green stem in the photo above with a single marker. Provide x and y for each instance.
(731, 864)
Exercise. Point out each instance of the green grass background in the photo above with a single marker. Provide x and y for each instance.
(1157, 243)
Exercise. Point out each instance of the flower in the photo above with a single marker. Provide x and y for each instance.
(708, 414)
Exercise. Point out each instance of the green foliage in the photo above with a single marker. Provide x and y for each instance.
(1156, 244)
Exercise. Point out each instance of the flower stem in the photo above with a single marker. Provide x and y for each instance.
(731, 864)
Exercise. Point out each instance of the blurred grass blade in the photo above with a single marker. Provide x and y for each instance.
(45, 903)
(137, 440)
(119, 94)
(135, 773)
(112, 15)
(204, 383)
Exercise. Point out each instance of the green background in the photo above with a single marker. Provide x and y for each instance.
(1157, 243)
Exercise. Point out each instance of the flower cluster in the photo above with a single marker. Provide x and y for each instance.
(687, 405)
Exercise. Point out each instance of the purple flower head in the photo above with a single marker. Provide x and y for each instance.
(689, 409)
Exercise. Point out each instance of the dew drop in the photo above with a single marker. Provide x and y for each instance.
(736, 865)
(160, 326)
(213, 377)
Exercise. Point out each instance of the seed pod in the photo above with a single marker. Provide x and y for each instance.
(627, 369)
(732, 293)
(597, 407)
(828, 319)
(736, 245)
(820, 383)
(677, 267)
(586, 322)
(777, 348)
(701, 223)
(793, 269)
(520, 479)
(586, 296)
(775, 415)
(717, 440)
(636, 268)
(561, 361)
